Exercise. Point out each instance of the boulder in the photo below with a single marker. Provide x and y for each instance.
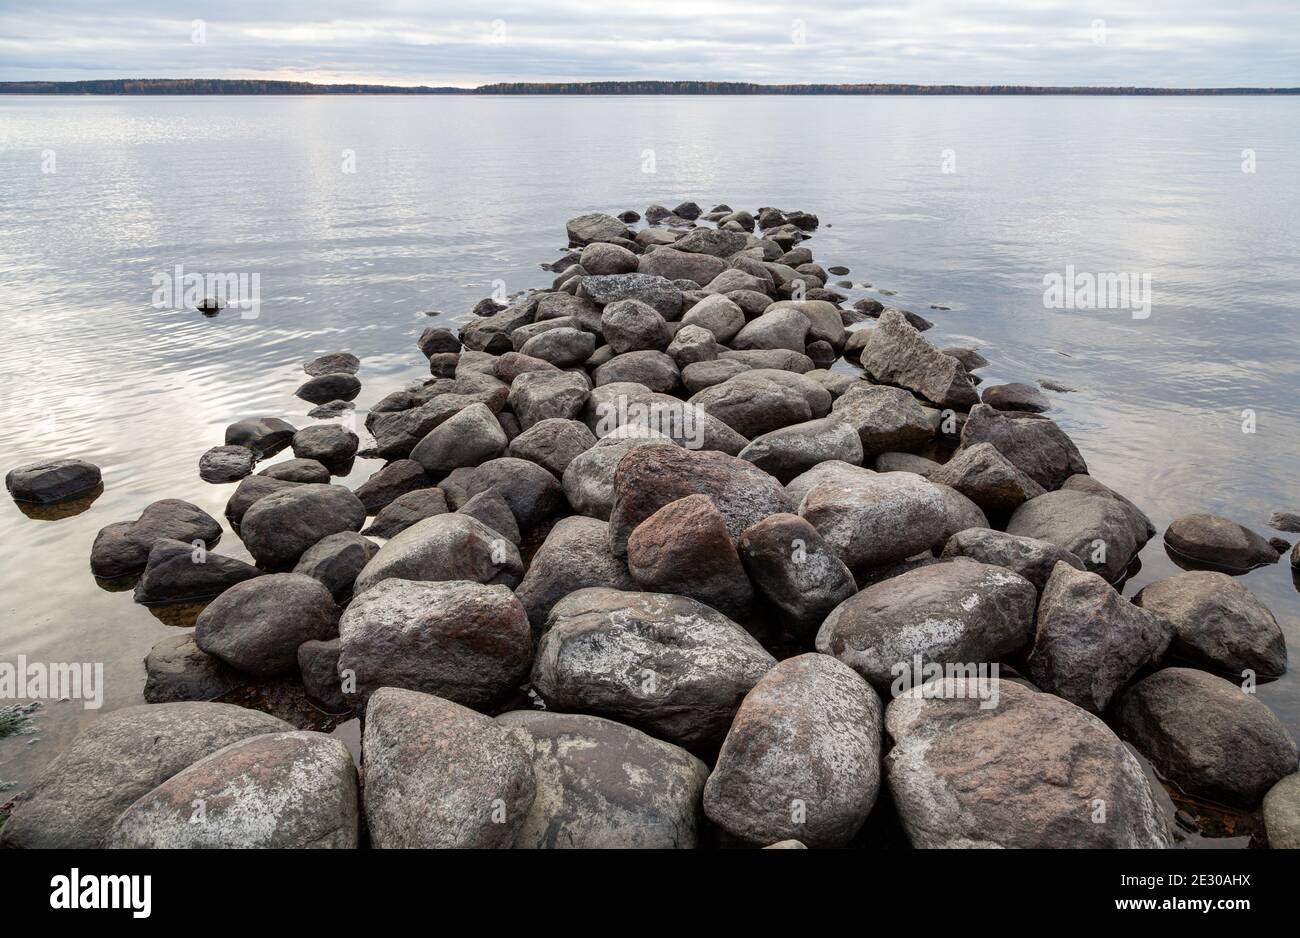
(265, 436)
(666, 664)
(1282, 814)
(178, 572)
(802, 757)
(564, 347)
(553, 444)
(1031, 558)
(796, 571)
(874, 520)
(895, 353)
(279, 527)
(791, 451)
(52, 481)
(438, 340)
(619, 405)
(589, 477)
(594, 226)
(885, 418)
(490, 508)
(955, 612)
(335, 561)
(256, 626)
(461, 640)
(602, 785)
(700, 375)
(319, 663)
(1016, 396)
(292, 790)
(1208, 736)
(396, 478)
(1099, 531)
(656, 292)
(327, 443)
(223, 464)
(121, 756)
(987, 478)
(332, 387)
(692, 344)
(960, 514)
(539, 395)
(686, 549)
(1218, 624)
(712, 241)
(655, 370)
(632, 326)
(774, 329)
(122, 549)
(405, 511)
(334, 363)
(905, 462)
(298, 470)
(249, 491)
(1091, 641)
(831, 470)
(1216, 543)
(1050, 774)
(442, 548)
(468, 438)
(177, 669)
(752, 407)
(574, 556)
(649, 477)
(533, 494)
(1034, 445)
(600, 257)
(1143, 529)
(441, 775)
(673, 264)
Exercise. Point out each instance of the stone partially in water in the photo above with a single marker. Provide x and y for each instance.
(333, 363)
(52, 481)
(1211, 542)
(178, 572)
(280, 527)
(177, 669)
(256, 626)
(122, 549)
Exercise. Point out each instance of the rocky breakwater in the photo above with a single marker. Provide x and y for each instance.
(680, 550)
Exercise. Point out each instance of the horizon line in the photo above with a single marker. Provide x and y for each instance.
(260, 86)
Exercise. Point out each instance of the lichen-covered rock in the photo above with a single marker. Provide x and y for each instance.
(1091, 641)
(441, 775)
(464, 641)
(293, 790)
(603, 785)
(802, 757)
(873, 520)
(666, 664)
(1050, 774)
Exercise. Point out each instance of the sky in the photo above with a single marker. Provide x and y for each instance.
(1163, 43)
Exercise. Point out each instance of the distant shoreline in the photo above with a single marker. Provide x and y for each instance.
(205, 86)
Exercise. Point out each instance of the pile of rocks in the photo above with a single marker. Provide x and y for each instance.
(667, 555)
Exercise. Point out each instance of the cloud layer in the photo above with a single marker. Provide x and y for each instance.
(1043, 42)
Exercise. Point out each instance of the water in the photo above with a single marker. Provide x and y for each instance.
(451, 194)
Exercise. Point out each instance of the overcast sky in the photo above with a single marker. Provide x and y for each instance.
(1043, 42)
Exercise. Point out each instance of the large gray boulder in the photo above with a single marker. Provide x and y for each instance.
(589, 476)
(774, 329)
(791, 451)
(177, 572)
(295, 790)
(632, 326)
(553, 444)
(1282, 814)
(265, 436)
(1215, 543)
(885, 418)
(1050, 774)
(406, 510)
(460, 640)
(441, 775)
(656, 292)
(712, 241)
(538, 395)
(392, 481)
(327, 443)
(533, 494)
(603, 785)
(795, 570)
(1218, 624)
(649, 477)
(119, 757)
(468, 438)
(685, 548)
(1091, 641)
(753, 407)
(442, 548)
(655, 370)
(987, 478)
(574, 556)
(1031, 558)
(673, 264)
(1099, 531)
(954, 612)
(177, 669)
(1208, 736)
(895, 353)
(666, 664)
(1034, 445)
(595, 226)
(336, 560)
(122, 549)
(719, 315)
(624, 404)
(874, 520)
(802, 757)
(256, 626)
(279, 528)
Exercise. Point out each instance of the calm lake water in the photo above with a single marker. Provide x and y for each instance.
(451, 194)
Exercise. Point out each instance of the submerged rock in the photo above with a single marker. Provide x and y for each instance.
(226, 464)
(1208, 541)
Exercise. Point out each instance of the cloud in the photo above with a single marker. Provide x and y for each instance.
(1160, 42)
